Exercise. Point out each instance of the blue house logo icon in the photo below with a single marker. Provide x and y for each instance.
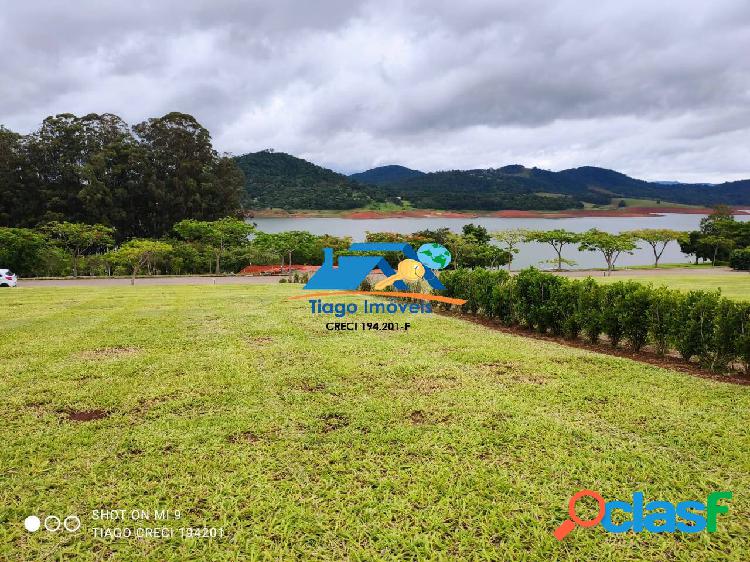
(352, 270)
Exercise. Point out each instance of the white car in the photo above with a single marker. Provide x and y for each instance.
(7, 278)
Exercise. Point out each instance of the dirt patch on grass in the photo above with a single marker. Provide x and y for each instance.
(244, 437)
(108, 353)
(643, 356)
(420, 417)
(311, 386)
(259, 341)
(417, 417)
(86, 415)
(332, 422)
(508, 371)
(430, 385)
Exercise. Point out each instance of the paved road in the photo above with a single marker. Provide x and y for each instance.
(185, 280)
(254, 280)
(660, 272)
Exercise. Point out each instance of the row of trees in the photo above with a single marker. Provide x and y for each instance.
(96, 169)
(228, 244)
(697, 324)
(194, 246)
(721, 238)
(471, 248)
(611, 246)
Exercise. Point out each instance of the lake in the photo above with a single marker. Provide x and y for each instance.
(529, 254)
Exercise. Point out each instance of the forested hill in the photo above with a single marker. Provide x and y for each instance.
(615, 183)
(518, 187)
(276, 179)
(386, 174)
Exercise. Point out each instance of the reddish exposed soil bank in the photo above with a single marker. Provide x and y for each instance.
(509, 214)
(276, 269)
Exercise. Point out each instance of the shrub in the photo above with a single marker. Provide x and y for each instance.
(743, 337)
(635, 312)
(536, 305)
(612, 305)
(740, 259)
(727, 327)
(589, 301)
(694, 327)
(662, 317)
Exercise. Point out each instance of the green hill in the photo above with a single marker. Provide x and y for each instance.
(386, 174)
(276, 179)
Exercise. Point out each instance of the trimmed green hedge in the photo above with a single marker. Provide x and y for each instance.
(698, 324)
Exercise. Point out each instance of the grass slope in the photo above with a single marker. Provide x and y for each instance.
(733, 286)
(238, 408)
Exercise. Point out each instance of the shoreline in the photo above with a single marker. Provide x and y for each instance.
(364, 214)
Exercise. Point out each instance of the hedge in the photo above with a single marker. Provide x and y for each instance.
(697, 324)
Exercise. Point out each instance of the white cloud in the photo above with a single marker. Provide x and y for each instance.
(658, 90)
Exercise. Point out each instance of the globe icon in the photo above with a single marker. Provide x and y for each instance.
(434, 256)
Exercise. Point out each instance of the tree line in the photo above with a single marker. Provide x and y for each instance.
(96, 169)
(610, 245)
(62, 248)
(228, 244)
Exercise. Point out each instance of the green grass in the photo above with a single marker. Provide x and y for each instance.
(236, 407)
(734, 286)
(631, 202)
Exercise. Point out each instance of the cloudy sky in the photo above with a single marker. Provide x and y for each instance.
(657, 89)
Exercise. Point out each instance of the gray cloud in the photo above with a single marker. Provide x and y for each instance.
(659, 90)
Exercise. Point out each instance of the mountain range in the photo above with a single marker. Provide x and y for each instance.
(279, 180)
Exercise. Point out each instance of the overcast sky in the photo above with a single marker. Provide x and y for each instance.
(656, 89)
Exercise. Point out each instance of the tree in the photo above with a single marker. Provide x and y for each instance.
(294, 241)
(510, 240)
(138, 253)
(79, 238)
(184, 173)
(713, 244)
(610, 245)
(218, 235)
(558, 239)
(22, 250)
(478, 233)
(657, 238)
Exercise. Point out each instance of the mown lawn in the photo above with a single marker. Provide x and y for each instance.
(236, 407)
(734, 286)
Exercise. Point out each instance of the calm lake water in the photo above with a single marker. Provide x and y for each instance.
(529, 254)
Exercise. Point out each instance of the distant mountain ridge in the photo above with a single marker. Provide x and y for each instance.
(276, 179)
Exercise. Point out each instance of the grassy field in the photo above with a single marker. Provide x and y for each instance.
(732, 286)
(236, 407)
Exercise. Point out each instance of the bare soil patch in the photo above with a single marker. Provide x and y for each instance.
(86, 415)
(244, 437)
(332, 422)
(108, 352)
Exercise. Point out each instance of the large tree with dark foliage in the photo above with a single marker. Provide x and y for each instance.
(96, 169)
